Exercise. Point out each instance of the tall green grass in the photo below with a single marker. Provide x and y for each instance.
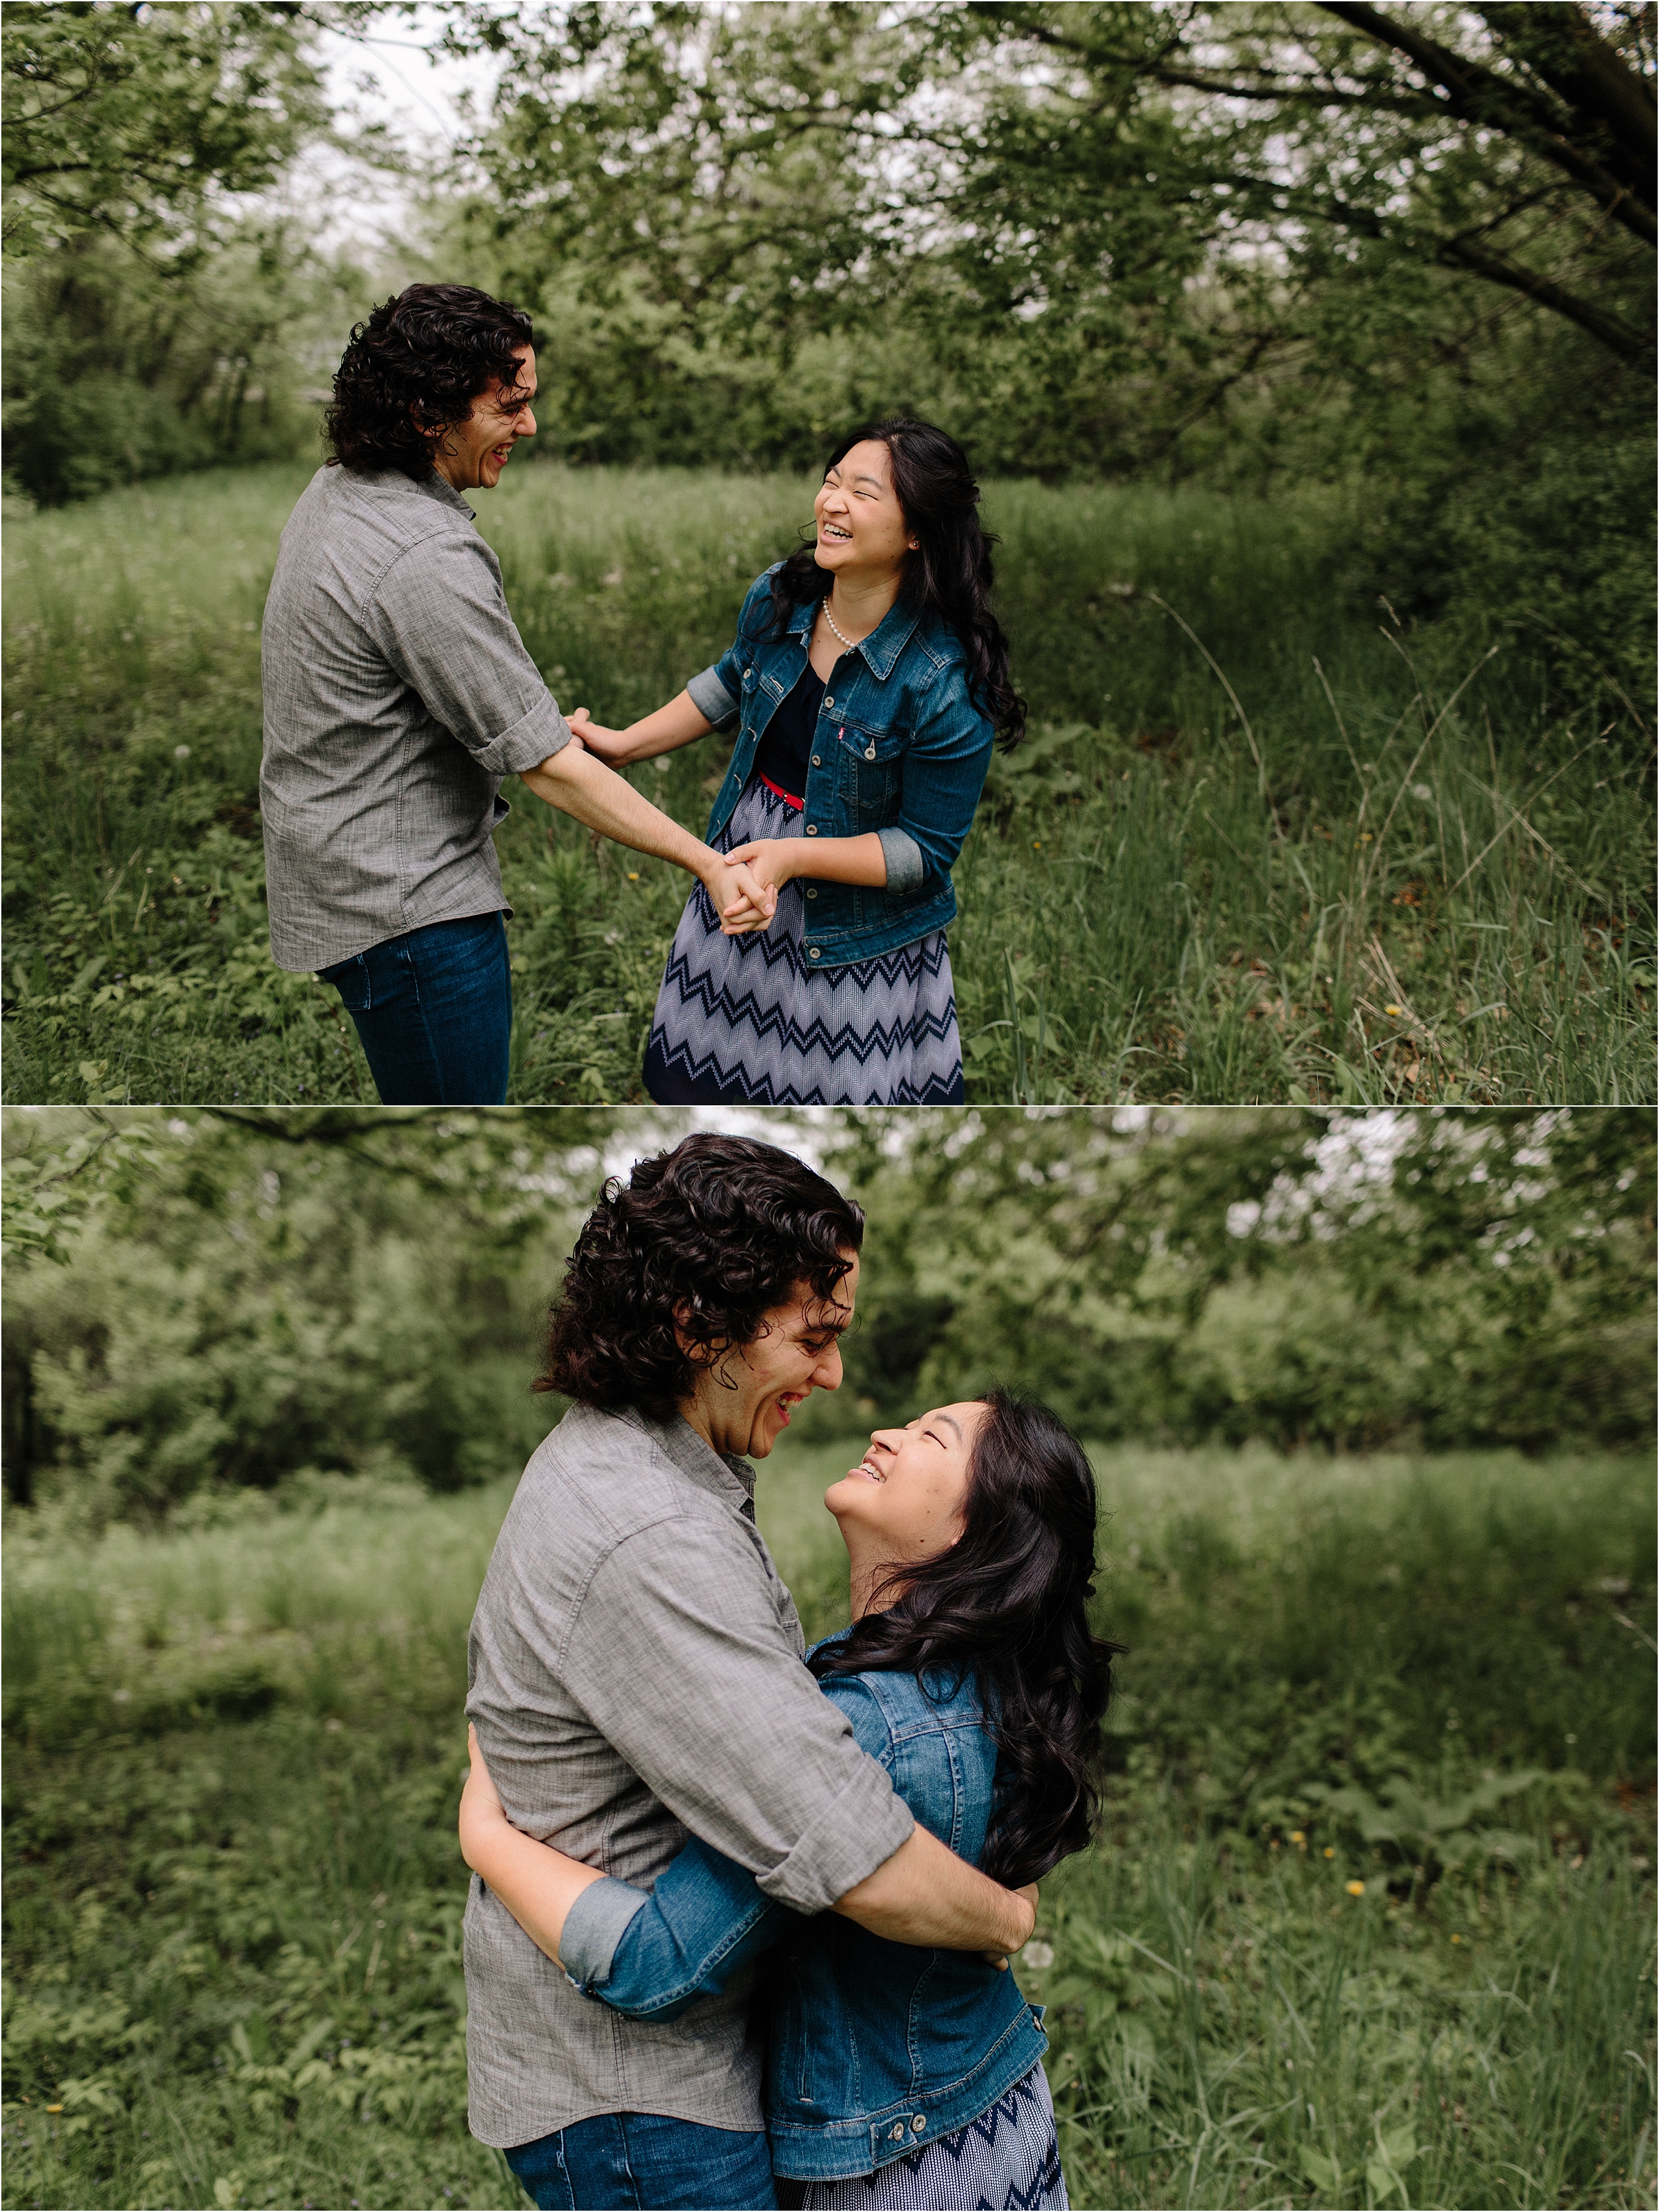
(234, 1898)
(1264, 844)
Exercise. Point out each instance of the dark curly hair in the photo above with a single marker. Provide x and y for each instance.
(950, 575)
(413, 367)
(713, 1233)
(1008, 1603)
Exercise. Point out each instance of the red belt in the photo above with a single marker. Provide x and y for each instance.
(787, 796)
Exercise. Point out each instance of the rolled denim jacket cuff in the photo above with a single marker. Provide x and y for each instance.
(712, 700)
(534, 738)
(850, 1839)
(593, 1927)
(905, 868)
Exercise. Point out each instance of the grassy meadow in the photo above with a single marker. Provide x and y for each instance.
(1371, 1920)
(1266, 843)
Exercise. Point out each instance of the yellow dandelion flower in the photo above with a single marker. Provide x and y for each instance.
(54, 2108)
(1356, 1888)
(1393, 1010)
(633, 875)
(1457, 1939)
(1299, 1839)
(1329, 1853)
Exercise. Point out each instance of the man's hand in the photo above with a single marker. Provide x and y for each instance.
(580, 785)
(999, 1959)
(926, 1895)
(744, 900)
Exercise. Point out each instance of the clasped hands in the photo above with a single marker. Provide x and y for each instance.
(743, 885)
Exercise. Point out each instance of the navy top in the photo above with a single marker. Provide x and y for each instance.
(786, 748)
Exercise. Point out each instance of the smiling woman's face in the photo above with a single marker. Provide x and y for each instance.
(904, 1500)
(862, 529)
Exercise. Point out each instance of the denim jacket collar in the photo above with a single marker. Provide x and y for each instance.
(882, 648)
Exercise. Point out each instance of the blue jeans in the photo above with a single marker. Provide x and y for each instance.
(433, 1009)
(648, 2162)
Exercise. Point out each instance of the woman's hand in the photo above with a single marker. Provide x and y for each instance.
(614, 747)
(771, 860)
(481, 1810)
(743, 901)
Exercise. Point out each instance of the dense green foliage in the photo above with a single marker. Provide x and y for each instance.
(157, 313)
(233, 1896)
(248, 1302)
(1254, 245)
(1415, 873)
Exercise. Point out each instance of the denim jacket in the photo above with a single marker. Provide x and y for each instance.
(901, 748)
(876, 2047)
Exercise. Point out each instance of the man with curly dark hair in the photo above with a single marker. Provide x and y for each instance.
(635, 1672)
(399, 694)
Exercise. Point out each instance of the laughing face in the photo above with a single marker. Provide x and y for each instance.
(904, 1500)
(743, 1401)
(472, 455)
(860, 525)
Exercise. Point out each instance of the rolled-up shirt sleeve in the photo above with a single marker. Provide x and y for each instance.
(716, 692)
(439, 614)
(944, 767)
(683, 1669)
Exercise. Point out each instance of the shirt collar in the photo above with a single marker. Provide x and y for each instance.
(437, 487)
(722, 1474)
(885, 642)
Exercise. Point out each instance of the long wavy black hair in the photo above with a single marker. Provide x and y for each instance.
(1008, 1602)
(696, 1245)
(950, 575)
(413, 367)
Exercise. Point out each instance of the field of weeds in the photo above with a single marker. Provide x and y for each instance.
(1265, 843)
(1370, 1921)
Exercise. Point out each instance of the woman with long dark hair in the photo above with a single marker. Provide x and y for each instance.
(867, 682)
(897, 2076)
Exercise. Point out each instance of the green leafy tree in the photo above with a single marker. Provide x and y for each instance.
(137, 121)
(156, 301)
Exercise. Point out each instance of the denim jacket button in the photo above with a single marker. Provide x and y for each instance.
(812, 951)
(898, 2133)
(812, 893)
(816, 763)
(869, 752)
(811, 829)
(919, 2123)
(829, 702)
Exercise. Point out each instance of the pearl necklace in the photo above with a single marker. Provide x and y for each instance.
(824, 609)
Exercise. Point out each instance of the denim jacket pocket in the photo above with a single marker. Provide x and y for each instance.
(871, 765)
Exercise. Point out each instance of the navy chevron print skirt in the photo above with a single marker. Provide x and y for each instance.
(1008, 2158)
(751, 1021)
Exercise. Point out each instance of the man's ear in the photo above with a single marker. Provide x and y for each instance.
(700, 1353)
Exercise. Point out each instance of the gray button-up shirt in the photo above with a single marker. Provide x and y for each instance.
(635, 1672)
(398, 695)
